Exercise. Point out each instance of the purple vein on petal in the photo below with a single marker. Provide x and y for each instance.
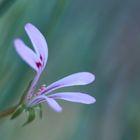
(37, 101)
(74, 97)
(51, 102)
(81, 78)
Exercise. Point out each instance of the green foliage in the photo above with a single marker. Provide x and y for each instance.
(5, 5)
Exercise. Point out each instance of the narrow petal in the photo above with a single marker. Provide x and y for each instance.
(36, 100)
(74, 97)
(51, 102)
(38, 41)
(81, 78)
(54, 105)
(26, 53)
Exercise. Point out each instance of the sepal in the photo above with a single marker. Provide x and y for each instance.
(31, 116)
(38, 108)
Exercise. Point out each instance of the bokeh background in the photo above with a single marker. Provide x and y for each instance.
(99, 36)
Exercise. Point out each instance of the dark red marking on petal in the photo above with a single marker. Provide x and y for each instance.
(41, 57)
(38, 64)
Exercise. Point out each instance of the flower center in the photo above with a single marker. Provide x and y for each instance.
(40, 64)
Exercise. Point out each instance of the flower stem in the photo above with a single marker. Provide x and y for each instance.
(7, 112)
(13, 109)
(32, 87)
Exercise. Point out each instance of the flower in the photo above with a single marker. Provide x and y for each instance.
(37, 59)
(81, 78)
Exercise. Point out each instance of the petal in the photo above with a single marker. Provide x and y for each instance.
(54, 105)
(36, 100)
(51, 102)
(26, 53)
(38, 41)
(81, 78)
(74, 97)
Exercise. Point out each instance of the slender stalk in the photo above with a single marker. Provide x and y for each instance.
(32, 87)
(8, 112)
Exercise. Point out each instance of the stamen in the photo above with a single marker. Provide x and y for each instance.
(29, 97)
(42, 87)
(37, 94)
(39, 90)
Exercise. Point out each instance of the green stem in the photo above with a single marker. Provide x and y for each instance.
(8, 112)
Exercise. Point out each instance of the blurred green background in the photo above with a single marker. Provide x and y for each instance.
(99, 36)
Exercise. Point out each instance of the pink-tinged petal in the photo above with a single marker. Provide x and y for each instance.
(26, 53)
(81, 78)
(74, 97)
(38, 41)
